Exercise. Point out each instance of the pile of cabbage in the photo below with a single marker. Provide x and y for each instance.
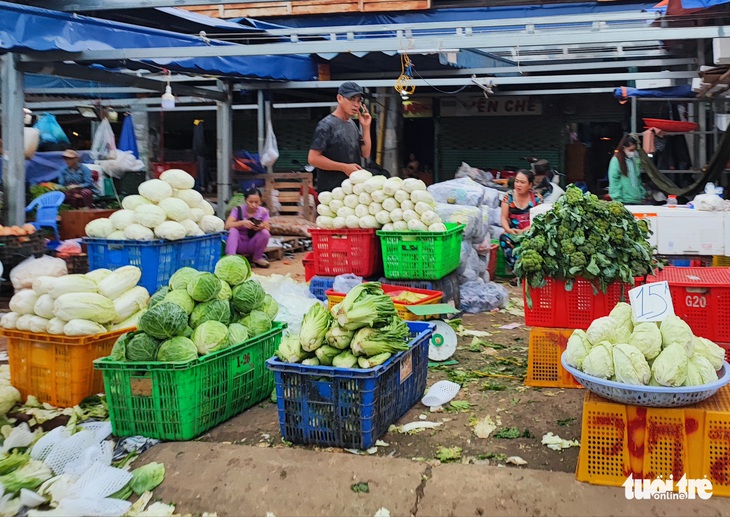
(199, 313)
(647, 353)
(362, 331)
(165, 208)
(79, 305)
(367, 201)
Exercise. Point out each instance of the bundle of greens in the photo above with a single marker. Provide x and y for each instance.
(362, 331)
(585, 237)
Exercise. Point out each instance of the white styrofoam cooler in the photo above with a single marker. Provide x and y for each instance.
(650, 214)
(683, 231)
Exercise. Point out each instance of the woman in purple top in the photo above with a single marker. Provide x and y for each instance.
(248, 229)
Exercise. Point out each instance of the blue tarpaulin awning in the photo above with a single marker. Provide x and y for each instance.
(25, 28)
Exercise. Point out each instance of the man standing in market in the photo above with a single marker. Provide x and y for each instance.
(339, 144)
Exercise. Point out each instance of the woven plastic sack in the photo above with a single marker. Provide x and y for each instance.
(468, 215)
(479, 296)
(461, 191)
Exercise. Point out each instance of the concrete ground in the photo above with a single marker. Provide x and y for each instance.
(237, 480)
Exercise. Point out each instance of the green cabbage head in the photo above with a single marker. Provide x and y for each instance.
(670, 366)
(177, 350)
(624, 318)
(577, 349)
(257, 323)
(142, 347)
(599, 361)
(181, 277)
(247, 296)
(182, 299)
(700, 371)
(647, 338)
(630, 365)
(710, 351)
(675, 330)
(237, 334)
(158, 296)
(233, 269)
(210, 336)
(602, 329)
(270, 307)
(119, 350)
(164, 320)
(218, 310)
(204, 287)
(225, 292)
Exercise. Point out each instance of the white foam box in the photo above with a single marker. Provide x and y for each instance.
(540, 209)
(650, 214)
(683, 231)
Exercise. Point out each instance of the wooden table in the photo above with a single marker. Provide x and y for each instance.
(73, 222)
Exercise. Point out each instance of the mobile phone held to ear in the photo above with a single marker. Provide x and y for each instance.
(362, 108)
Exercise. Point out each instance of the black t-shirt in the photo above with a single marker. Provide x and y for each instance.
(339, 140)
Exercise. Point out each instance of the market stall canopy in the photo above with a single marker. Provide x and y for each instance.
(30, 29)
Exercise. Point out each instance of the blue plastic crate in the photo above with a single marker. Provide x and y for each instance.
(449, 285)
(157, 259)
(347, 407)
(318, 286)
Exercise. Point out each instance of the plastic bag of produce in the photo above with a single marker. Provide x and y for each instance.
(23, 274)
(478, 296)
(461, 191)
(470, 216)
(293, 297)
(343, 283)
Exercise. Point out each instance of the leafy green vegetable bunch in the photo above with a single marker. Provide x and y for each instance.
(583, 236)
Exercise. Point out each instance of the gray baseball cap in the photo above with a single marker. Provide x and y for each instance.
(350, 89)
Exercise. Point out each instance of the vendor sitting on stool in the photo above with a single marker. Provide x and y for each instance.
(76, 177)
(516, 212)
(248, 228)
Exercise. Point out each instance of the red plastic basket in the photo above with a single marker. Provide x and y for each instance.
(308, 263)
(554, 307)
(673, 126)
(338, 252)
(701, 297)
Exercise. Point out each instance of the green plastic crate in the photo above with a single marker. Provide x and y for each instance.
(501, 271)
(421, 255)
(179, 401)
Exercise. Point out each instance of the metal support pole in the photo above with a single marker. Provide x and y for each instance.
(225, 142)
(260, 121)
(393, 130)
(13, 139)
(267, 116)
(634, 115)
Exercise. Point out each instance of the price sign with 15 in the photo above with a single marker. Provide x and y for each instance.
(651, 302)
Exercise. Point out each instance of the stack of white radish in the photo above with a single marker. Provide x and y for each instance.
(367, 201)
(166, 208)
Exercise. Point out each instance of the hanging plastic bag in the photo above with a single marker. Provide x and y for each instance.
(103, 146)
(271, 149)
(50, 129)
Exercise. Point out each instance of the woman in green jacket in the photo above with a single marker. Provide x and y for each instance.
(624, 174)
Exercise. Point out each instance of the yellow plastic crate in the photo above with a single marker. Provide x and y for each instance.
(720, 261)
(543, 359)
(649, 443)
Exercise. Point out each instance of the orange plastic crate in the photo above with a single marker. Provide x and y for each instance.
(543, 359)
(333, 298)
(701, 297)
(554, 307)
(57, 369)
(618, 440)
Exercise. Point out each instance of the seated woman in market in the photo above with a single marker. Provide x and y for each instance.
(516, 212)
(624, 174)
(76, 177)
(248, 228)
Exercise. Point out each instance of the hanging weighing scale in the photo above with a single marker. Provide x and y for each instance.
(443, 341)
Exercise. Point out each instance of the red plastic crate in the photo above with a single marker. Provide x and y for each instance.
(492, 264)
(554, 307)
(701, 297)
(308, 263)
(338, 252)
